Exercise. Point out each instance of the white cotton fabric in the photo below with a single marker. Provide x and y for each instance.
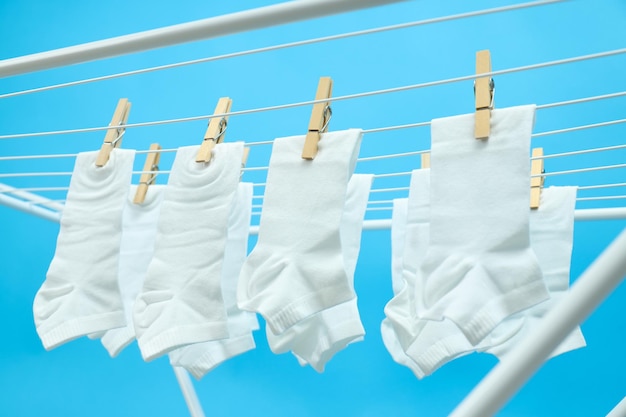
(401, 311)
(316, 339)
(479, 268)
(181, 299)
(201, 358)
(398, 235)
(410, 235)
(438, 342)
(80, 294)
(296, 268)
(552, 238)
(139, 226)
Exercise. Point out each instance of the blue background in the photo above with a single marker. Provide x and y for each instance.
(79, 378)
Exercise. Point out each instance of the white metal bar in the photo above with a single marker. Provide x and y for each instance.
(32, 198)
(29, 208)
(580, 215)
(614, 213)
(619, 410)
(212, 27)
(189, 392)
(593, 286)
(284, 46)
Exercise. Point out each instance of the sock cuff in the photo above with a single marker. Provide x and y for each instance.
(68, 330)
(285, 317)
(158, 345)
(219, 352)
(441, 352)
(336, 336)
(481, 323)
(115, 340)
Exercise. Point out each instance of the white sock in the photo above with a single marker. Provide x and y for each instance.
(479, 268)
(400, 311)
(139, 225)
(398, 234)
(551, 236)
(296, 268)
(410, 236)
(316, 339)
(80, 294)
(200, 358)
(181, 299)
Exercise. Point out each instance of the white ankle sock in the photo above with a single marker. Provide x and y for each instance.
(551, 236)
(316, 339)
(200, 358)
(400, 311)
(80, 294)
(398, 235)
(296, 268)
(139, 225)
(181, 299)
(479, 268)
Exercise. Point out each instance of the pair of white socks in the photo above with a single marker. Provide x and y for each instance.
(316, 339)
(478, 268)
(296, 269)
(467, 264)
(551, 236)
(80, 295)
(181, 299)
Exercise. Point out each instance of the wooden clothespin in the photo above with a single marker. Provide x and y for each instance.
(426, 160)
(150, 168)
(216, 130)
(113, 137)
(320, 116)
(536, 179)
(484, 90)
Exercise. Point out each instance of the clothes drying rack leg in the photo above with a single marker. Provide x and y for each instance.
(189, 392)
(619, 410)
(587, 293)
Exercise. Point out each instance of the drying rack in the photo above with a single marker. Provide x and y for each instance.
(36, 182)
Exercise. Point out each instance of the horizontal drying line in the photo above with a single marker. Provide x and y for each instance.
(593, 187)
(340, 98)
(370, 158)
(385, 175)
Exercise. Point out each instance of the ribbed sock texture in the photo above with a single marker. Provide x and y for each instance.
(181, 299)
(296, 268)
(80, 295)
(200, 358)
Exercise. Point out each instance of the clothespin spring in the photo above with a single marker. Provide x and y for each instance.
(118, 138)
(154, 169)
(222, 129)
(328, 114)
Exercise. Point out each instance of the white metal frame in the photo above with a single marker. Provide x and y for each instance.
(596, 283)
